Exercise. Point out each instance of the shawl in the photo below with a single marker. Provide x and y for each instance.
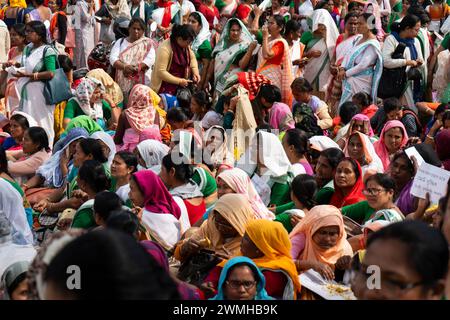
(252, 81)
(380, 146)
(322, 16)
(367, 127)
(188, 190)
(111, 87)
(280, 117)
(272, 239)
(83, 94)
(108, 140)
(319, 217)
(410, 43)
(261, 293)
(203, 35)
(11, 274)
(442, 142)
(371, 157)
(216, 148)
(141, 9)
(152, 152)
(240, 182)
(120, 9)
(140, 112)
(355, 195)
(157, 198)
(321, 143)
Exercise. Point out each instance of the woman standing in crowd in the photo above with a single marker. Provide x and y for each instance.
(84, 35)
(292, 34)
(201, 45)
(39, 62)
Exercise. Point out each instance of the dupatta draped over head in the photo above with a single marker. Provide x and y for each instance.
(272, 240)
(140, 112)
(240, 182)
(355, 195)
(261, 293)
(111, 87)
(373, 161)
(204, 33)
(157, 198)
(152, 152)
(319, 217)
(380, 146)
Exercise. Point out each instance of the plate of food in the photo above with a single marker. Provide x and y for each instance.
(329, 290)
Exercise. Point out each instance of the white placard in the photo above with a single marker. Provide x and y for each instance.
(430, 179)
(413, 152)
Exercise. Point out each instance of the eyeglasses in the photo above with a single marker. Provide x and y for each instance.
(372, 191)
(236, 284)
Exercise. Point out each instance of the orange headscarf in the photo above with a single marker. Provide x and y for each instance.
(273, 240)
(319, 217)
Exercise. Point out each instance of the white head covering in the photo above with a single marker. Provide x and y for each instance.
(204, 33)
(321, 143)
(10, 275)
(108, 140)
(30, 119)
(376, 164)
(152, 151)
(322, 16)
(273, 155)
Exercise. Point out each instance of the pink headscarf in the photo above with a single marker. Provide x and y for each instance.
(278, 115)
(140, 111)
(380, 146)
(150, 133)
(157, 198)
(362, 117)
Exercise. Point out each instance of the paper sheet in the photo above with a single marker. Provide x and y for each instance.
(413, 152)
(430, 179)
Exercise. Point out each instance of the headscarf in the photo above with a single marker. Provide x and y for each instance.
(219, 153)
(31, 121)
(380, 146)
(354, 196)
(377, 14)
(17, 4)
(204, 33)
(240, 182)
(442, 142)
(152, 133)
(322, 16)
(273, 241)
(367, 127)
(83, 95)
(236, 209)
(82, 122)
(319, 217)
(49, 249)
(10, 275)
(50, 170)
(374, 227)
(152, 152)
(157, 198)
(108, 140)
(140, 111)
(120, 9)
(261, 293)
(273, 155)
(371, 157)
(11, 203)
(111, 87)
(246, 37)
(321, 143)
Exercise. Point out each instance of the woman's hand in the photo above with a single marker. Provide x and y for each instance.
(412, 63)
(314, 54)
(265, 31)
(252, 46)
(341, 74)
(324, 270)
(422, 206)
(41, 205)
(184, 83)
(128, 70)
(343, 263)
(196, 78)
(257, 11)
(80, 195)
(190, 247)
(138, 211)
(295, 219)
(208, 289)
(106, 20)
(64, 224)
(22, 75)
(437, 125)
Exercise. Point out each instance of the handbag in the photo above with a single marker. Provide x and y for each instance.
(57, 89)
(196, 268)
(393, 82)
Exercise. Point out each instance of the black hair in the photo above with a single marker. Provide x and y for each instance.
(13, 286)
(202, 99)
(125, 221)
(347, 111)
(176, 115)
(3, 161)
(279, 20)
(114, 266)
(183, 171)
(391, 104)
(19, 28)
(129, 158)
(419, 12)
(105, 202)
(21, 120)
(446, 115)
(297, 138)
(354, 164)
(38, 2)
(350, 15)
(383, 180)
(234, 22)
(65, 62)
(301, 85)
(427, 249)
(409, 21)
(263, 127)
(93, 173)
(305, 188)
(353, 4)
(370, 19)
(440, 109)
(40, 29)
(94, 147)
(428, 154)
(292, 26)
(39, 137)
(185, 32)
(270, 93)
(139, 21)
(363, 98)
(333, 155)
(197, 17)
(402, 154)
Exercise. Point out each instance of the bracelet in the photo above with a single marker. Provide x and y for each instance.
(35, 76)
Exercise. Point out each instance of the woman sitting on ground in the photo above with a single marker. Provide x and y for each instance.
(123, 166)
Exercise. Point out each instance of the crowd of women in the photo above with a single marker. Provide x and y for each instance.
(220, 150)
